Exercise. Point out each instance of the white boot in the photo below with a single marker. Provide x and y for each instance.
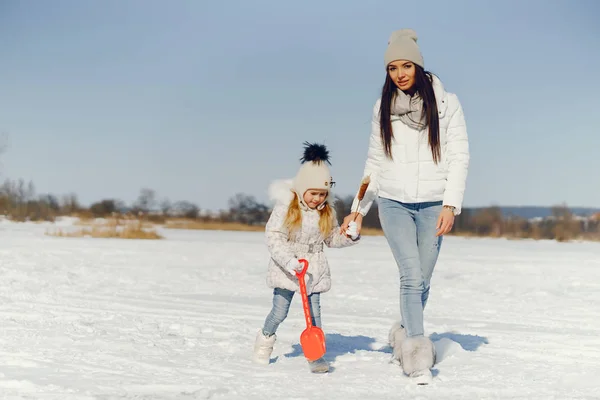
(422, 377)
(417, 358)
(396, 337)
(263, 347)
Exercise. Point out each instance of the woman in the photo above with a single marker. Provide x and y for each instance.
(417, 161)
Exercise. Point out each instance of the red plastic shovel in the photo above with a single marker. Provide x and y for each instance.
(312, 338)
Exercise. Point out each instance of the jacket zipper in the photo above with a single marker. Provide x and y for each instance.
(418, 164)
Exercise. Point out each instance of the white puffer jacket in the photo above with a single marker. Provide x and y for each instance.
(308, 244)
(412, 176)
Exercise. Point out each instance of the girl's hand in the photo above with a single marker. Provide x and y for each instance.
(445, 222)
(350, 218)
(352, 231)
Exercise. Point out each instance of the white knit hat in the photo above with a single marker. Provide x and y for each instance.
(313, 173)
(403, 46)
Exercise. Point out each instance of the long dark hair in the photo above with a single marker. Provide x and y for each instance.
(424, 87)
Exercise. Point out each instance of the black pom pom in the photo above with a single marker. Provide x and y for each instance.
(314, 152)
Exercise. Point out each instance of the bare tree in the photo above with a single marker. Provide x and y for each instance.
(246, 210)
(146, 201)
(165, 207)
(69, 204)
(106, 207)
(186, 209)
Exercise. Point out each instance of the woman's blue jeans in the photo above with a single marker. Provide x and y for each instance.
(410, 229)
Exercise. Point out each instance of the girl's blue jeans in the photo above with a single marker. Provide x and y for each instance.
(282, 298)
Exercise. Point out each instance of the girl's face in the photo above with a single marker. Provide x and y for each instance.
(314, 197)
(402, 72)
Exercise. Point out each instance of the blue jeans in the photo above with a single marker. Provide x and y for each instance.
(282, 298)
(410, 229)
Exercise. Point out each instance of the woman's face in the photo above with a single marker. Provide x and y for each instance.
(402, 72)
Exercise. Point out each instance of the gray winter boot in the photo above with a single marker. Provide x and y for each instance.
(319, 366)
(263, 347)
(417, 358)
(396, 337)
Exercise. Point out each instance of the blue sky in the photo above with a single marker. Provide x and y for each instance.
(200, 100)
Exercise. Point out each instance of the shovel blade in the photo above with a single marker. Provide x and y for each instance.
(312, 341)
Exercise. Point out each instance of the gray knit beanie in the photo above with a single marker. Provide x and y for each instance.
(403, 46)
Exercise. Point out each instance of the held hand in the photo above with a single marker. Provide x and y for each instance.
(445, 222)
(350, 218)
(352, 230)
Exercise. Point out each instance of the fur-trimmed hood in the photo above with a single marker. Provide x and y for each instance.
(281, 191)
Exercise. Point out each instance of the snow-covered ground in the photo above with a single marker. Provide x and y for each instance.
(90, 318)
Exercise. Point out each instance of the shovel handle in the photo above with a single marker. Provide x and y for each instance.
(304, 268)
(302, 285)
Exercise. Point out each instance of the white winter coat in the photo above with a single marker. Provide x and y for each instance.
(412, 176)
(283, 250)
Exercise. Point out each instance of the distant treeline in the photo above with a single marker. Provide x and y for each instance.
(19, 202)
(561, 224)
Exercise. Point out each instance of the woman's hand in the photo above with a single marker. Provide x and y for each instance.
(350, 218)
(445, 222)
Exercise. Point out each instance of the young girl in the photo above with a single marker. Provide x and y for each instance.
(302, 220)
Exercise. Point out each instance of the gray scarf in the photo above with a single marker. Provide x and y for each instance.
(409, 109)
